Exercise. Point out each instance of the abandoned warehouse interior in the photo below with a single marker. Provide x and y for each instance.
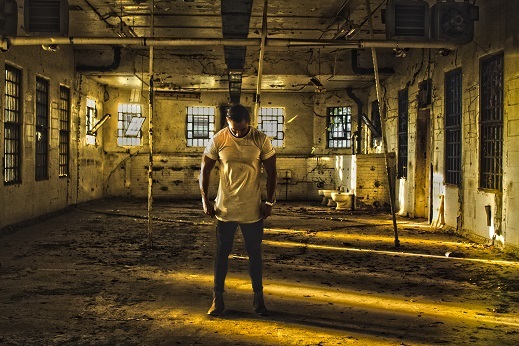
(410, 107)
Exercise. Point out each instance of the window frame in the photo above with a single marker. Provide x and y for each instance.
(42, 128)
(491, 125)
(274, 115)
(205, 115)
(403, 133)
(123, 121)
(453, 112)
(332, 142)
(13, 109)
(376, 121)
(64, 131)
(90, 117)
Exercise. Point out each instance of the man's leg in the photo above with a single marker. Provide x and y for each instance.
(224, 240)
(253, 235)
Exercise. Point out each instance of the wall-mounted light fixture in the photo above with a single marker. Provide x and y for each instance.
(400, 52)
(444, 51)
(100, 123)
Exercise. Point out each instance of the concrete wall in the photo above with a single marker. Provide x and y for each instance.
(32, 198)
(461, 208)
(304, 163)
(301, 170)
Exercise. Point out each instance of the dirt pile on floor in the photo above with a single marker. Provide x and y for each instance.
(89, 276)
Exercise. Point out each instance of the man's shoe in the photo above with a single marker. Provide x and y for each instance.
(259, 304)
(218, 306)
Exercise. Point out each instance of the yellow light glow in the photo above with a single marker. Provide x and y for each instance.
(292, 119)
(288, 244)
(352, 237)
(464, 312)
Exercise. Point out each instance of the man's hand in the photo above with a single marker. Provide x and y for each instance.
(208, 208)
(267, 210)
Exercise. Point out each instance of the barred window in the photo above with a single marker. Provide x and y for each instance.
(12, 126)
(42, 128)
(91, 115)
(129, 124)
(64, 131)
(338, 127)
(453, 99)
(271, 121)
(491, 123)
(199, 125)
(403, 121)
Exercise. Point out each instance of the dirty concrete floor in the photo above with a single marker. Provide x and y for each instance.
(89, 277)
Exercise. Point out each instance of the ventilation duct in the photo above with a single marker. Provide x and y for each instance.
(107, 68)
(235, 25)
(46, 17)
(407, 20)
(453, 21)
(8, 17)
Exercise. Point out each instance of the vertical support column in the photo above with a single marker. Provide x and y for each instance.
(257, 99)
(383, 126)
(150, 138)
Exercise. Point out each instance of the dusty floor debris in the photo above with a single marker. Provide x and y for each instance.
(88, 277)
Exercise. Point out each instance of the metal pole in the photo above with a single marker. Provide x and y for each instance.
(383, 123)
(150, 140)
(8, 41)
(260, 63)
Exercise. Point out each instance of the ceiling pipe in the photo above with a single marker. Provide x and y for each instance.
(8, 41)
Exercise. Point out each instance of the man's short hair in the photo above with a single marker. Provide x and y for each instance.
(238, 113)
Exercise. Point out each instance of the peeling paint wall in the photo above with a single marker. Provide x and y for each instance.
(32, 198)
(372, 184)
(176, 167)
(465, 208)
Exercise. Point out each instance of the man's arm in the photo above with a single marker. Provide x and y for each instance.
(270, 168)
(205, 174)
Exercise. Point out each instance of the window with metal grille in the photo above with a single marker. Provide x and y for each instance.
(199, 125)
(64, 131)
(91, 115)
(403, 121)
(42, 128)
(271, 121)
(376, 139)
(338, 127)
(491, 123)
(12, 126)
(129, 124)
(453, 97)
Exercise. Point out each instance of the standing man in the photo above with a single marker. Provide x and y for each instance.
(240, 149)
